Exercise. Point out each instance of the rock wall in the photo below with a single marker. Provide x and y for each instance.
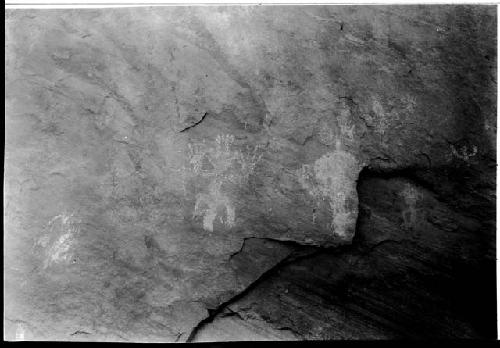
(417, 269)
(162, 162)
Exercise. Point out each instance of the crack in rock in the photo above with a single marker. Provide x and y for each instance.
(194, 124)
(215, 312)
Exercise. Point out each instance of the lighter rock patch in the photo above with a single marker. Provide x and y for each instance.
(333, 178)
(59, 239)
(20, 332)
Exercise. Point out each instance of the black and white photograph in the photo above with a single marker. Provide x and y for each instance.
(234, 172)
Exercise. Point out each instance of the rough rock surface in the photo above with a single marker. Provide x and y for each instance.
(416, 269)
(159, 161)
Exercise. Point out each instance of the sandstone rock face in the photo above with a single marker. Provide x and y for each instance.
(159, 161)
(417, 268)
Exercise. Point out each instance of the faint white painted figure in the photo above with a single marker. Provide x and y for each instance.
(411, 197)
(464, 153)
(20, 332)
(207, 205)
(332, 178)
(223, 165)
(59, 239)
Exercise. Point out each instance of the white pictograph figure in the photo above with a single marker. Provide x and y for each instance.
(223, 165)
(411, 197)
(332, 179)
(59, 239)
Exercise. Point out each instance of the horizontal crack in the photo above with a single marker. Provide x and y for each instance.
(80, 332)
(288, 242)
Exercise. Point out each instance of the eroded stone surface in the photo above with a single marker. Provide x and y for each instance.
(145, 145)
(408, 274)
